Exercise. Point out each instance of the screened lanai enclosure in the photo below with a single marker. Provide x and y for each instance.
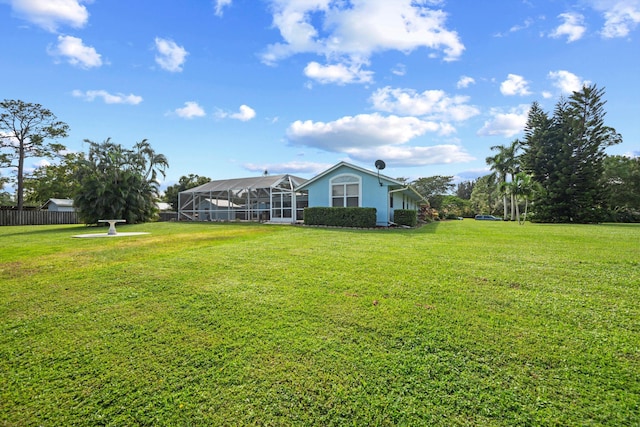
(266, 198)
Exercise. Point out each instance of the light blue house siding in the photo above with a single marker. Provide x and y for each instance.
(349, 185)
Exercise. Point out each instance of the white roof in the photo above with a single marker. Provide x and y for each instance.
(66, 203)
(221, 203)
(266, 181)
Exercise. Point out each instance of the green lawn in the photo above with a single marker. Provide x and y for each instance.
(457, 323)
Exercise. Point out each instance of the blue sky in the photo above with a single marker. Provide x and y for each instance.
(230, 88)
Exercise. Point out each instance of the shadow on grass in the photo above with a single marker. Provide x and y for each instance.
(46, 229)
(426, 228)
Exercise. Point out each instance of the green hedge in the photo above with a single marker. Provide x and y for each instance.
(341, 217)
(405, 217)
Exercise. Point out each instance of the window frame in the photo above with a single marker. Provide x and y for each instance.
(355, 180)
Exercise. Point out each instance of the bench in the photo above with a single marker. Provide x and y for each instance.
(112, 225)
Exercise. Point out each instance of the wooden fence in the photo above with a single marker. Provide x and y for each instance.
(33, 217)
(167, 216)
(36, 217)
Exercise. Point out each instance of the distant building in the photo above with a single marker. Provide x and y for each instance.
(163, 206)
(59, 205)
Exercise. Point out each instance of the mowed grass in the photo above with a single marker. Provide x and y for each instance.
(454, 324)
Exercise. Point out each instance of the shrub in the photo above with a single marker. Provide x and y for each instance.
(341, 217)
(405, 217)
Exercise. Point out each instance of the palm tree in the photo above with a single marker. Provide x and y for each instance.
(522, 187)
(506, 164)
(149, 163)
(117, 182)
(497, 164)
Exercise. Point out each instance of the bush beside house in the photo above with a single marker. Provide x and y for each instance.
(406, 217)
(340, 217)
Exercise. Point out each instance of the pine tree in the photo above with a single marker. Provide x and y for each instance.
(27, 130)
(564, 154)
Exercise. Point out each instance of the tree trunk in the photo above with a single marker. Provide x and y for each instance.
(526, 205)
(514, 205)
(504, 203)
(20, 188)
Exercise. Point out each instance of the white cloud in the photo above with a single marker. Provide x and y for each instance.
(465, 82)
(505, 124)
(76, 53)
(367, 137)
(399, 70)
(190, 110)
(413, 156)
(621, 16)
(515, 28)
(289, 167)
(244, 114)
(434, 104)
(566, 81)
(170, 57)
(50, 14)
(363, 130)
(41, 163)
(350, 32)
(573, 27)
(526, 24)
(107, 97)
(515, 85)
(220, 4)
(337, 73)
(9, 139)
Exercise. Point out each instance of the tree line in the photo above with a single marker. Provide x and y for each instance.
(110, 181)
(559, 171)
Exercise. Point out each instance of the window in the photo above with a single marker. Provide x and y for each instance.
(345, 191)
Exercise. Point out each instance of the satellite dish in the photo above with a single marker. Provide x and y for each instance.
(380, 165)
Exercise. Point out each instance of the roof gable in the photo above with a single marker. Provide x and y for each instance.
(66, 203)
(355, 168)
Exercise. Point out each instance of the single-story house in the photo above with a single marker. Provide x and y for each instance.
(59, 205)
(282, 198)
(345, 185)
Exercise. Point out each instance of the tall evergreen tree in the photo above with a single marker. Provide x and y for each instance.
(565, 154)
(25, 131)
